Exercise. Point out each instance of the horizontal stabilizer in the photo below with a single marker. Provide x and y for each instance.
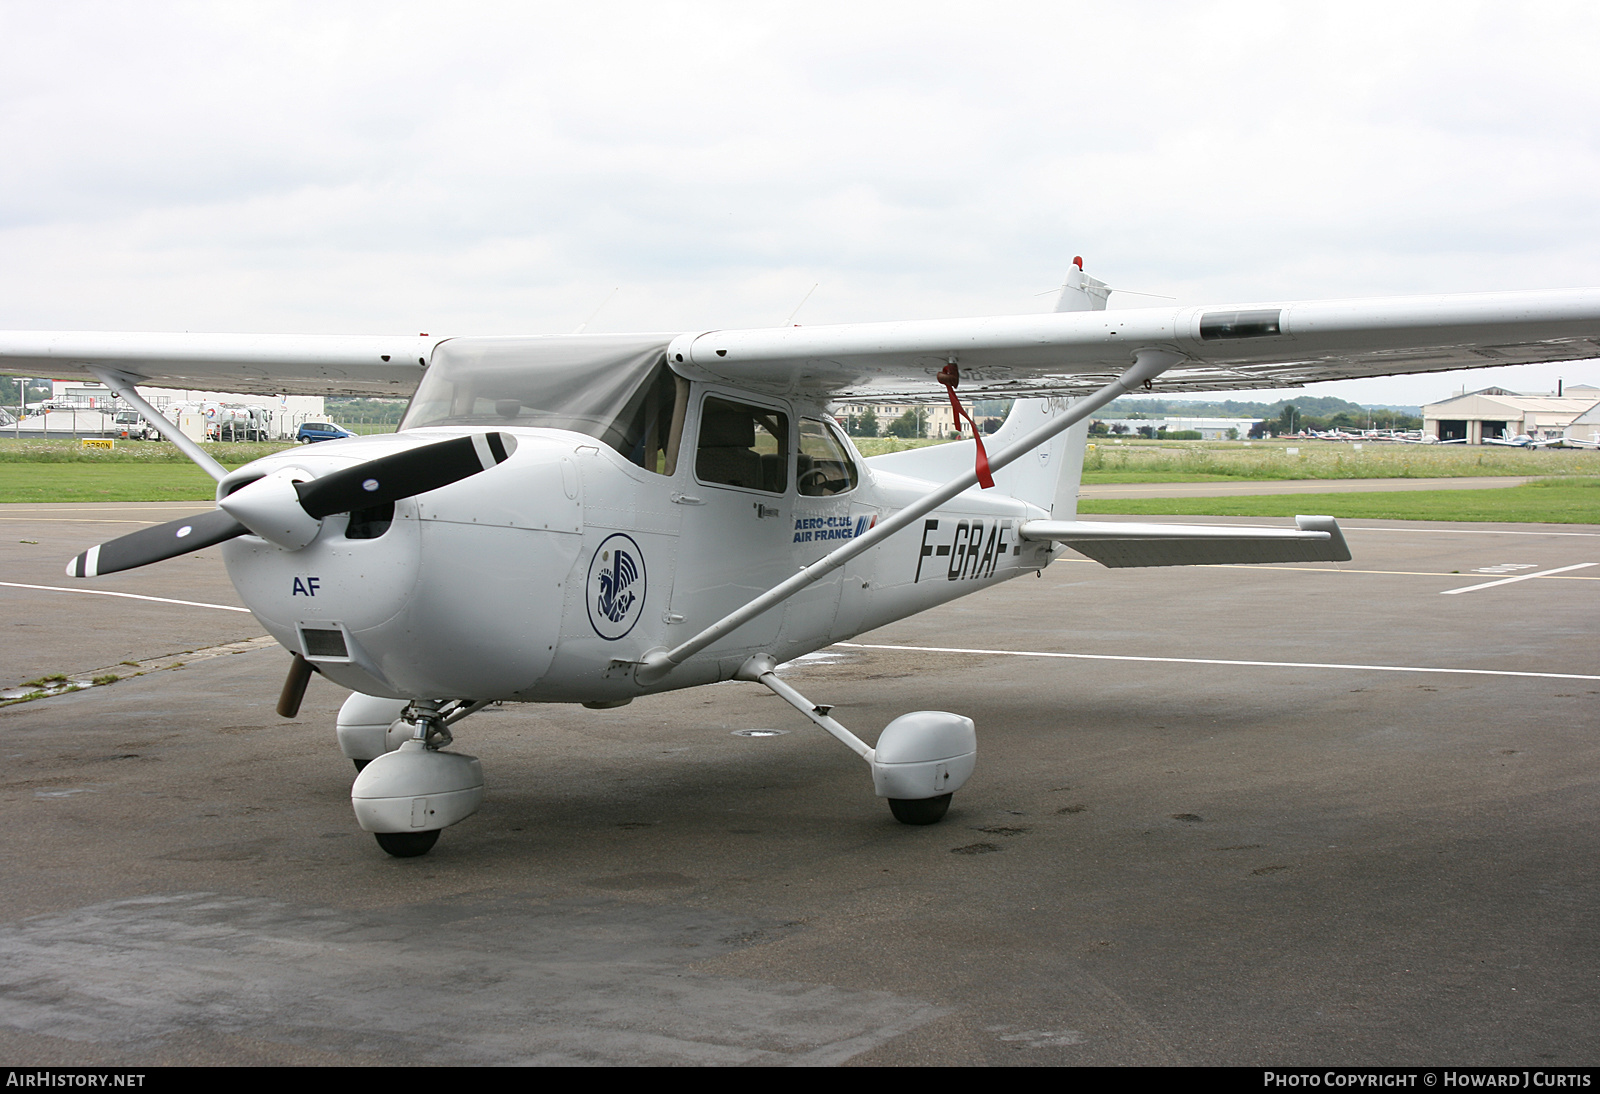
(1314, 539)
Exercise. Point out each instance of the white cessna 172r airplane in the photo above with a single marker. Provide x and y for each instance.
(590, 519)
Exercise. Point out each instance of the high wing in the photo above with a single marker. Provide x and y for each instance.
(1223, 347)
(263, 364)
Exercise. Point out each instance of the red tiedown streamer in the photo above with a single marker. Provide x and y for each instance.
(950, 376)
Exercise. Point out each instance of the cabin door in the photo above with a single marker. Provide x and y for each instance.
(737, 512)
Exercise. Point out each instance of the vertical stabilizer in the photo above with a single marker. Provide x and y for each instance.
(1080, 292)
(1046, 477)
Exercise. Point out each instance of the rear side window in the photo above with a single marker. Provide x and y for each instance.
(742, 445)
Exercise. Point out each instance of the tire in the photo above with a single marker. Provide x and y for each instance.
(919, 810)
(407, 844)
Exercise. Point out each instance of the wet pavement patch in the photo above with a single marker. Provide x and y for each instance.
(509, 981)
(643, 880)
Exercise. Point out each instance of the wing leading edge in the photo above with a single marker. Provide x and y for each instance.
(262, 364)
(1225, 347)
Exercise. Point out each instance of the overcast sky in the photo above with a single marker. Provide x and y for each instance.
(497, 168)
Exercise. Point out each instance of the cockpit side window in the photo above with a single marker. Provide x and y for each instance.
(824, 465)
(743, 445)
(651, 425)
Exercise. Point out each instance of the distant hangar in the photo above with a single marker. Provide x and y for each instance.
(1496, 414)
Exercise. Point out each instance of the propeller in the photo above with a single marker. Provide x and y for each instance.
(289, 512)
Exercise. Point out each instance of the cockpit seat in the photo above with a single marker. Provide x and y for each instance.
(727, 448)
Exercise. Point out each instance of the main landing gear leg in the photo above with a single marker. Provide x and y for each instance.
(405, 797)
(920, 760)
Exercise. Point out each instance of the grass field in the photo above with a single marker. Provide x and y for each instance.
(32, 482)
(62, 471)
(877, 446)
(44, 471)
(1108, 462)
(1199, 461)
(128, 452)
(1549, 501)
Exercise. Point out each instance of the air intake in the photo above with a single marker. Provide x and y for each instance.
(323, 645)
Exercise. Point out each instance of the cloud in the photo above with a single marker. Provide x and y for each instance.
(493, 168)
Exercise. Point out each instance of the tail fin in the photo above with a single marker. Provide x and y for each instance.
(1047, 477)
(1080, 292)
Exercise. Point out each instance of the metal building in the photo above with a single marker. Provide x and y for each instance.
(1495, 413)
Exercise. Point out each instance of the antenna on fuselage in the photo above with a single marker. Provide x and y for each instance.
(579, 328)
(800, 305)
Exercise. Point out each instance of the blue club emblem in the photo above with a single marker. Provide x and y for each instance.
(616, 587)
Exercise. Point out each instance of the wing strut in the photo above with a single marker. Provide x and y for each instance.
(122, 386)
(1147, 364)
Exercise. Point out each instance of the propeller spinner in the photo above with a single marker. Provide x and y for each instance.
(289, 512)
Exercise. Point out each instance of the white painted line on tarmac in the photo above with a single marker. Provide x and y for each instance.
(81, 520)
(1283, 569)
(1219, 661)
(130, 596)
(1290, 568)
(1465, 531)
(1519, 577)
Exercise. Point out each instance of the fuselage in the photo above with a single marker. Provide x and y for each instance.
(547, 578)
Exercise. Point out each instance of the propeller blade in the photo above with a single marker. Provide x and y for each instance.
(376, 482)
(404, 474)
(176, 537)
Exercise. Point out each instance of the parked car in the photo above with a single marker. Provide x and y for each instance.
(320, 431)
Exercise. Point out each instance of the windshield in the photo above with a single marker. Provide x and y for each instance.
(614, 388)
